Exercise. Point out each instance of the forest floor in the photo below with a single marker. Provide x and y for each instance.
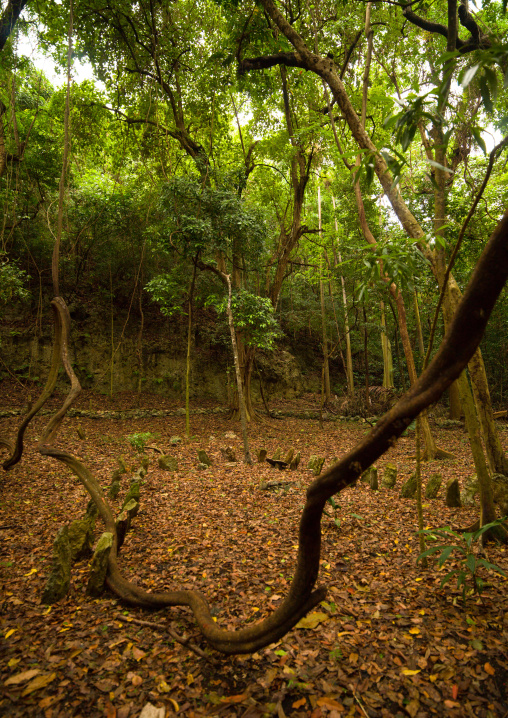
(388, 641)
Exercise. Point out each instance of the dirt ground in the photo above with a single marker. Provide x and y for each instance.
(388, 641)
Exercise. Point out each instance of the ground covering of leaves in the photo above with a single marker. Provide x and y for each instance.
(387, 642)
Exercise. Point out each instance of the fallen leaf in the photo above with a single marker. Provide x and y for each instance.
(312, 620)
(10, 632)
(38, 683)
(409, 672)
(22, 677)
(328, 703)
(489, 669)
(299, 703)
(235, 699)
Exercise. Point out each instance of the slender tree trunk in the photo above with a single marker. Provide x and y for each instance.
(455, 412)
(349, 357)
(387, 352)
(366, 357)
(241, 402)
(189, 349)
(326, 364)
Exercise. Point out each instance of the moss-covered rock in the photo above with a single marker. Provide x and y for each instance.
(312, 461)
(295, 462)
(408, 490)
(81, 538)
(369, 476)
(500, 491)
(433, 486)
(57, 585)
(318, 465)
(452, 498)
(389, 476)
(168, 463)
(132, 493)
(99, 566)
(469, 491)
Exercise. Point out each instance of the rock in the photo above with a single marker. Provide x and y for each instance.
(408, 490)
(452, 499)
(433, 486)
(295, 462)
(500, 491)
(369, 475)
(59, 580)
(469, 491)
(289, 456)
(91, 510)
(145, 463)
(81, 538)
(203, 458)
(390, 476)
(277, 455)
(228, 453)
(124, 520)
(203, 467)
(230, 435)
(312, 462)
(373, 482)
(318, 465)
(117, 474)
(99, 566)
(114, 489)
(123, 465)
(175, 440)
(132, 493)
(262, 455)
(168, 463)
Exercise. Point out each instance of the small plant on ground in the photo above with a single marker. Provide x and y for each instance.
(139, 441)
(466, 552)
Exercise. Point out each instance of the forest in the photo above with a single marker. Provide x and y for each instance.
(254, 358)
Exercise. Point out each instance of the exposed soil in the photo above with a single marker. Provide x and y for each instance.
(387, 642)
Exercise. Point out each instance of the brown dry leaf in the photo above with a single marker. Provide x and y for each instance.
(489, 669)
(38, 683)
(21, 677)
(353, 658)
(235, 699)
(312, 620)
(326, 702)
(412, 707)
(137, 653)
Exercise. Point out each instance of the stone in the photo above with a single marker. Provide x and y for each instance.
(312, 462)
(145, 463)
(123, 465)
(469, 491)
(203, 467)
(295, 462)
(408, 490)
(390, 476)
(175, 440)
(289, 456)
(151, 711)
(500, 491)
(452, 499)
(59, 580)
(230, 435)
(91, 510)
(262, 453)
(168, 463)
(228, 453)
(114, 489)
(81, 538)
(124, 520)
(277, 455)
(373, 482)
(132, 493)
(99, 566)
(433, 486)
(369, 476)
(318, 465)
(203, 457)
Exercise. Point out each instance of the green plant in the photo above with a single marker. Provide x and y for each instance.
(333, 516)
(469, 561)
(139, 441)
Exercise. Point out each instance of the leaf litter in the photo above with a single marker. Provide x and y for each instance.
(386, 642)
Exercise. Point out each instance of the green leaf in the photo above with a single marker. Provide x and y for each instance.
(448, 577)
(471, 562)
(441, 167)
(479, 139)
(468, 75)
(485, 93)
(445, 555)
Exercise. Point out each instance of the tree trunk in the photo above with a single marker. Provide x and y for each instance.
(349, 358)
(241, 401)
(387, 352)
